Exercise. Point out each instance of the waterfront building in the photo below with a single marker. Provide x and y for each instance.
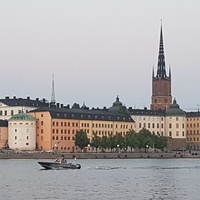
(22, 132)
(12, 106)
(170, 124)
(193, 130)
(3, 134)
(175, 123)
(56, 127)
(161, 83)
(152, 120)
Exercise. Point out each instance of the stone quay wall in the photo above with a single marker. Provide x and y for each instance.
(45, 155)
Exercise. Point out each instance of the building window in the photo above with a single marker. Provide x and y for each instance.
(177, 133)
(27, 137)
(27, 144)
(12, 112)
(15, 137)
(170, 134)
(5, 113)
(41, 122)
(170, 125)
(177, 125)
(15, 130)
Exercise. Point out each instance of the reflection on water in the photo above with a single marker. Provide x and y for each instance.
(127, 179)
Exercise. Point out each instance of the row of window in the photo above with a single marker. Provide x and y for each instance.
(21, 123)
(193, 132)
(157, 125)
(177, 134)
(193, 139)
(65, 131)
(5, 112)
(27, 137)
(149, 125)
(73, 124)
(192, 125)
(60, 138)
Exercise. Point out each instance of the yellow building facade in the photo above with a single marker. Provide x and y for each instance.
(193, 130)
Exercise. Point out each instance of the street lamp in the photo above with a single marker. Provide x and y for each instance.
(88, 147)
(117, 148)
(146, 147)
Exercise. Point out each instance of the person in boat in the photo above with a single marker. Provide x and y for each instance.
(62, 160)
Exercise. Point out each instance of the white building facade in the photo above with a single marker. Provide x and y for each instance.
(12, 106)
(22, 132)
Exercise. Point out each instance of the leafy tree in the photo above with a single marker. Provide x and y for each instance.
(81, 139)
(95, 142)
(131, 139)
(104, 142)
(119, 140)
(111, 142)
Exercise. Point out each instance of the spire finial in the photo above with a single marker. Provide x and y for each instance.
(161, 72)
(53, 99)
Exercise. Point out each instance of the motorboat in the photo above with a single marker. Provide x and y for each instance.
(59, 164)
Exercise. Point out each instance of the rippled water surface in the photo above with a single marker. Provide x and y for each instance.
(117, 179)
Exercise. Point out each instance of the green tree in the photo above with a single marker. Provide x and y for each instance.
(131, 139)
(95, 142)
(104, 142)
(81, 139)
(111, 142)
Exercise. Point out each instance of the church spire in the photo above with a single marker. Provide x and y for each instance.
(53, 99)
(161, 72)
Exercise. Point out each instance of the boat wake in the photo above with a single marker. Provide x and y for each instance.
(106, 168)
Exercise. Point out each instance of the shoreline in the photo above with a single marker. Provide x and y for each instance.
(45, 155)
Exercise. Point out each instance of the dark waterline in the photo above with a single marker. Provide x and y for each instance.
(98, 179)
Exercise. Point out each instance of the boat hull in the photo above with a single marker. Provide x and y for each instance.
(56, 165)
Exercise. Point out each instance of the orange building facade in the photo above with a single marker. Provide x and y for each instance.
(57, 127)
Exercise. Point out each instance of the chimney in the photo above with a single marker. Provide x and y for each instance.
(37, 99)
(61, 105)
(57, 105)
(6, 97)
(28, 98)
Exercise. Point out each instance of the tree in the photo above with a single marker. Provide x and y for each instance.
(131, 139)
(95, 142)
(104, 142)
(81, 139)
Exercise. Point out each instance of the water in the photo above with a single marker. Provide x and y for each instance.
(118, 179)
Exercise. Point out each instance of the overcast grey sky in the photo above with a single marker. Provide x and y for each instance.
(98, 49)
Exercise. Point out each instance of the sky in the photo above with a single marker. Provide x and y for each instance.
(98, 49)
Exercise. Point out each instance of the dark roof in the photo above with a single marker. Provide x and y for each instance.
(146, 112)
(93, 114)
(193, 114)
(174, 110)
(24, 102)
(3, 123)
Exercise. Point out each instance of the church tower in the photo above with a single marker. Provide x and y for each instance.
(161, 83)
